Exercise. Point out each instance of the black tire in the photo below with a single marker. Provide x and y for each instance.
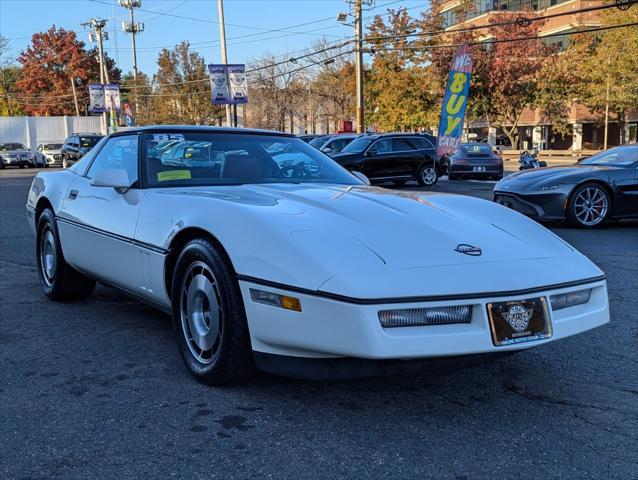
(230, 359)
(63, 282)
(399, 183)
(600, 211)
(421, 175)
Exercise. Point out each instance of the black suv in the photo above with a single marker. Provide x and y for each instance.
(76, 146)
(396, 157)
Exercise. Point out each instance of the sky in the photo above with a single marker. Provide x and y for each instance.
(249, 25)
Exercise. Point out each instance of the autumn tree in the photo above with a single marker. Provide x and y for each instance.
(138, 92)
(609, 71)
(9, 74)
(275, 89)
(402, 93)
(182, 93)
(513, 74)
(54, 59)
(332, 75)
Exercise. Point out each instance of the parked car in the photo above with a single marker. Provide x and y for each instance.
(49, 154)
(309, 136)
(16, 155)
(601, 187)
(333, 144)
(474, 160)
(396, 157)
(303, 269)
(76, 146)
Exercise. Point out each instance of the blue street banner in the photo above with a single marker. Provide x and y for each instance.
(102, 96)
(218, 76)
(96, 98)
(228, 84)
(238, 83)
(455, 102)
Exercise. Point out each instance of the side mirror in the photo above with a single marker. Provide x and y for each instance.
(116, 178)
(371, 152)
(361, 177)
(326, 150)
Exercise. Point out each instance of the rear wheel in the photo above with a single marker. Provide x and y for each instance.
(427, 175)
(209, 317)
(59, 280)
(588, 206)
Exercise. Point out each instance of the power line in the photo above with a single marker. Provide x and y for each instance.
(507, 40)
(520, 20)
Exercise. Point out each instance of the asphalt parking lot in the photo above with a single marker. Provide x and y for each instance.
(96, 389)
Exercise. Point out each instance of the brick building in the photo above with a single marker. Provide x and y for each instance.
(587, 127)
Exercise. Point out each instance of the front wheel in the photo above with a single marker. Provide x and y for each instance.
(209, 317)
(427, 176)
(59, 280)
(588, 206)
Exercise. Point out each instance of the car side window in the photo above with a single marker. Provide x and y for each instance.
(382, 146)
(401, 145)
(118, 153)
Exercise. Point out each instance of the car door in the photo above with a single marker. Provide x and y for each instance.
(378, 159)
(97, 224)
(407, 156)
(626, 180)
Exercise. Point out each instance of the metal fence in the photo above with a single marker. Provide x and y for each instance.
(31, 131)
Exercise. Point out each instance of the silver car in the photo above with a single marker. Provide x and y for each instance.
(16, 155)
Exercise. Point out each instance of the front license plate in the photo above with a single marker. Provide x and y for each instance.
(519, 321)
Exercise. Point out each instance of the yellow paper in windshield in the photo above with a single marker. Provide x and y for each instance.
(174, 175)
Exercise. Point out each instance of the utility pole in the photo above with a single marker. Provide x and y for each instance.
(75, 97)
(222, 41)
(132, 27)
(97, 34)
(358, 38)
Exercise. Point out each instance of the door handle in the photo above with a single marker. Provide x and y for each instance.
(73, 194)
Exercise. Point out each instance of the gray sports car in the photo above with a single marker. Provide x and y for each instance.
(601, 187)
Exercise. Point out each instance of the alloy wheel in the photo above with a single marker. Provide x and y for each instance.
(201, 313)
(591, 206)
(48, 258)
(428, 175)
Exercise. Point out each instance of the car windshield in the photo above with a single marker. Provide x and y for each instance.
(89, 142)
(358, 145)
(52, 146)
(319, 141)
(11, 146)
(619, 156)
(202, 158)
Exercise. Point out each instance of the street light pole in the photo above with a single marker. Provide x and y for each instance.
(359, 63)
(222, 41)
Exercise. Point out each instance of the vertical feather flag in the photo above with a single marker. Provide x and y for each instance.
(455, 102)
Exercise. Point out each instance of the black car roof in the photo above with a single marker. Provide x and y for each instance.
(199, 128)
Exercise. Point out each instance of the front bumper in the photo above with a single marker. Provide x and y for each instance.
(329, 328)
(541, 206)
(23, 162)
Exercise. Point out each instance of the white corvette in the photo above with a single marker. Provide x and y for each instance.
(267, 253)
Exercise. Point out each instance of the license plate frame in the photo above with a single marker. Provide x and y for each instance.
(479, 169)
(519, 321)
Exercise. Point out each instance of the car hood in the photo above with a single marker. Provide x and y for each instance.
(373, 241)
(537, 176)
(15, 152)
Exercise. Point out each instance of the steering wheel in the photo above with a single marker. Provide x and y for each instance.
(298, 170)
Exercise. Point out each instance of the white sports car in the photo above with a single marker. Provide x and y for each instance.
(297, 266)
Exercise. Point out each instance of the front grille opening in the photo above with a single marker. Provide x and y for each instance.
(417, 317)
